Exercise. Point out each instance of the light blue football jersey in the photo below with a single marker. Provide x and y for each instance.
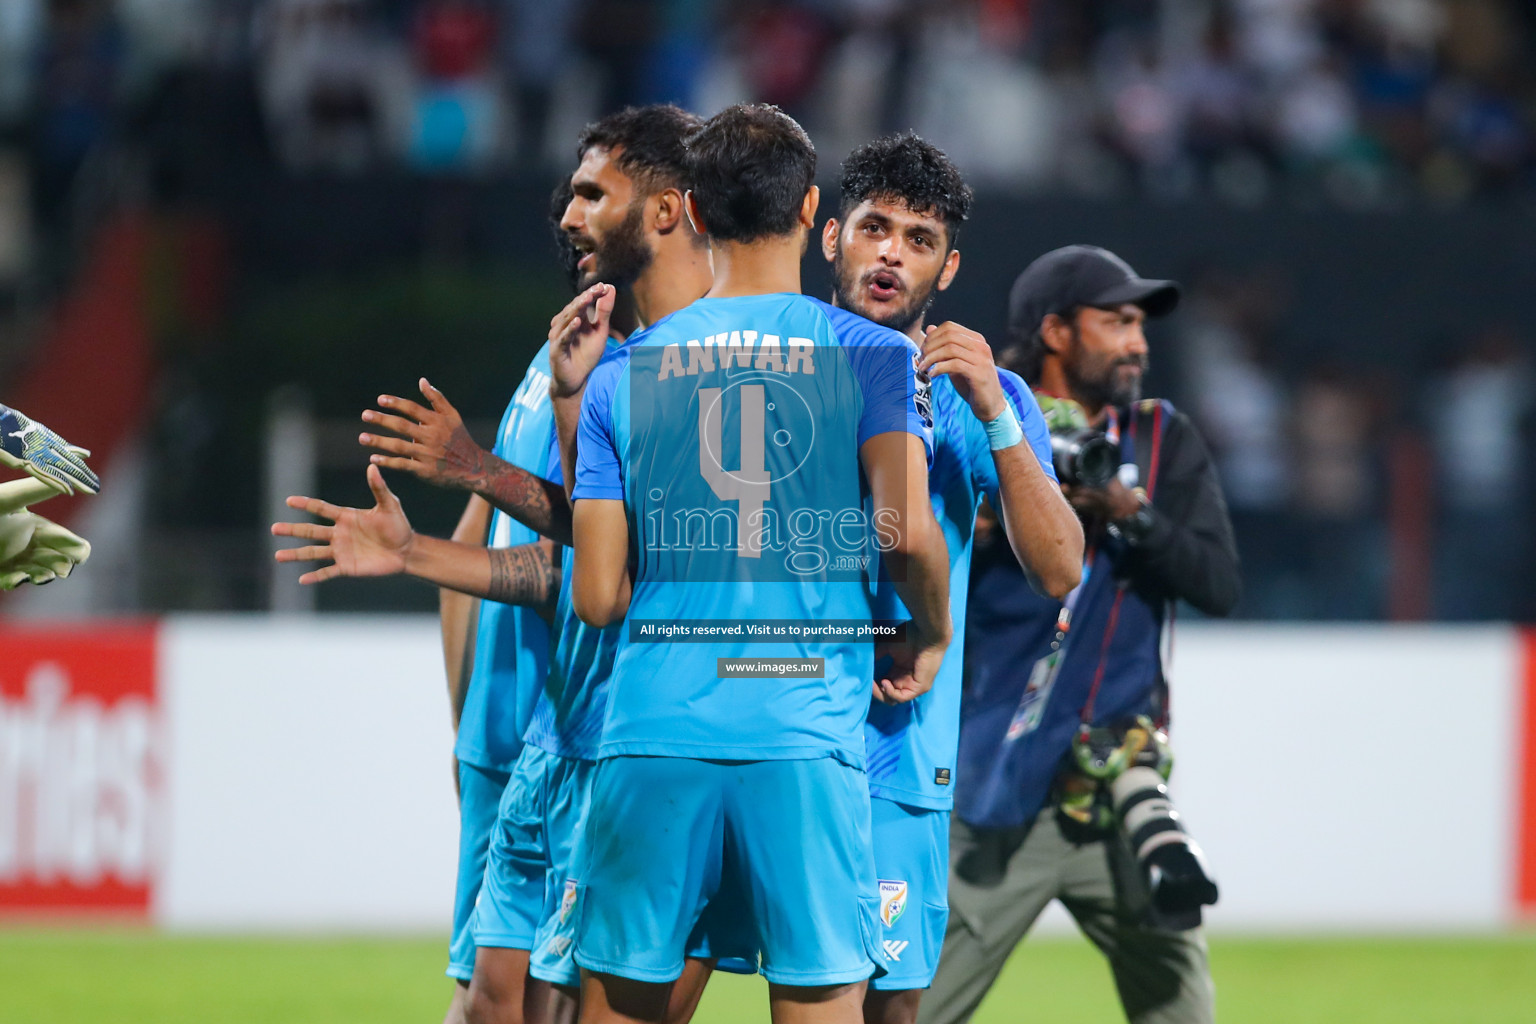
(731, 431)
(568, 715)
(912, 747)
(511, 642)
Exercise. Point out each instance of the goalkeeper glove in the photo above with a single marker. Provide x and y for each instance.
(37, 550)
(31, 447)
(34, 549)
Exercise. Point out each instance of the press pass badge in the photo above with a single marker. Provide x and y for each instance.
(1042, 677)
(1026, 717)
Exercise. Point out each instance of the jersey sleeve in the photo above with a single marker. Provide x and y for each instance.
(896, 396)
(523, 454)
(554, 471)
(598, 474)
(501, 449)
(1036, 434)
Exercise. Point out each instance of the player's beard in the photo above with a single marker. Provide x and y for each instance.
(848, 293)
(623, 254)
(1098, 381)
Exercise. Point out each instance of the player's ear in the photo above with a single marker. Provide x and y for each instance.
(691, 208)
(808, 207)
(951, 268)
(669, 210)
(829, 239)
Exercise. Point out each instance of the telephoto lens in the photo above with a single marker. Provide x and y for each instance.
(1171, 861)
(1084, 457)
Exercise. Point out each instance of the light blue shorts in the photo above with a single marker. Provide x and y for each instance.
(728, 859)
(554, 943)
(912, 862)
(517, 872)
(568, 787)
(479, 795)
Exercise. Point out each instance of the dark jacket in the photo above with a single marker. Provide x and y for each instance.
(1004, 775)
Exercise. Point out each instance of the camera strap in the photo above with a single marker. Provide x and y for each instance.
(1042, 677)
(1128, 450)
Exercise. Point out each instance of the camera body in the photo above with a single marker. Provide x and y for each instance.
(1082, 456)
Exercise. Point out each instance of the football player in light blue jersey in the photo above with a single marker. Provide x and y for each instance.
(496, 653)
(511, 652)
(726, 454)
(624, 219)
(892, 248)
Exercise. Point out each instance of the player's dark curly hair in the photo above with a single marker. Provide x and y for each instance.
(649, 141)
(750, 167)
(911, 170)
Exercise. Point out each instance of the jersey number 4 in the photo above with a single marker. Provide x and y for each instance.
(748, 485)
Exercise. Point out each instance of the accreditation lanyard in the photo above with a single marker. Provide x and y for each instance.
(1042, 677)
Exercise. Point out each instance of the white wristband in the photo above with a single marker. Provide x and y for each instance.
(1004, 432)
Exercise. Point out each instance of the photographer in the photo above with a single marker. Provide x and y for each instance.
(1062, 754)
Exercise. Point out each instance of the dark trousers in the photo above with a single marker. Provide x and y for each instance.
(1000, 880)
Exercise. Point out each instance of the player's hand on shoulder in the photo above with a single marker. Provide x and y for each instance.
(966, 358)
(360, 542)
(433, 444)
(578, 337)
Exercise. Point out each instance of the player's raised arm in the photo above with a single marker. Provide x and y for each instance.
(600, 580)
(896, 464)
(578, 337)
(380, 542)
(1042, 529)
(434, 446)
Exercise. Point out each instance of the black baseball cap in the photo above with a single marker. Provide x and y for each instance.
(1082, 275)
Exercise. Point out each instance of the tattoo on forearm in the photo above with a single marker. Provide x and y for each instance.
(536, 503)
(463, 461)
(523, 575)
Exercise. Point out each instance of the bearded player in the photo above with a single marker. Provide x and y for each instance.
(624, 221)
(893, 249)
(710, 790)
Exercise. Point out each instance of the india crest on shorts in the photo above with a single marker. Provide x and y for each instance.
(567, 900)
(893, 901)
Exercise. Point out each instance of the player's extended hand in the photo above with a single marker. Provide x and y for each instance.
(363, 542)
(433, 446)
(31, 447)
(37, 550)
(578, 337)
(966, 358)
(912, 666)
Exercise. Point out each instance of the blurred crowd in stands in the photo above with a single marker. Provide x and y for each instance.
(1362, 105)
(1361, 101)
(1324, 470)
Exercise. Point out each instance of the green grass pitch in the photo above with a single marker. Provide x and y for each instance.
(121, 976)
